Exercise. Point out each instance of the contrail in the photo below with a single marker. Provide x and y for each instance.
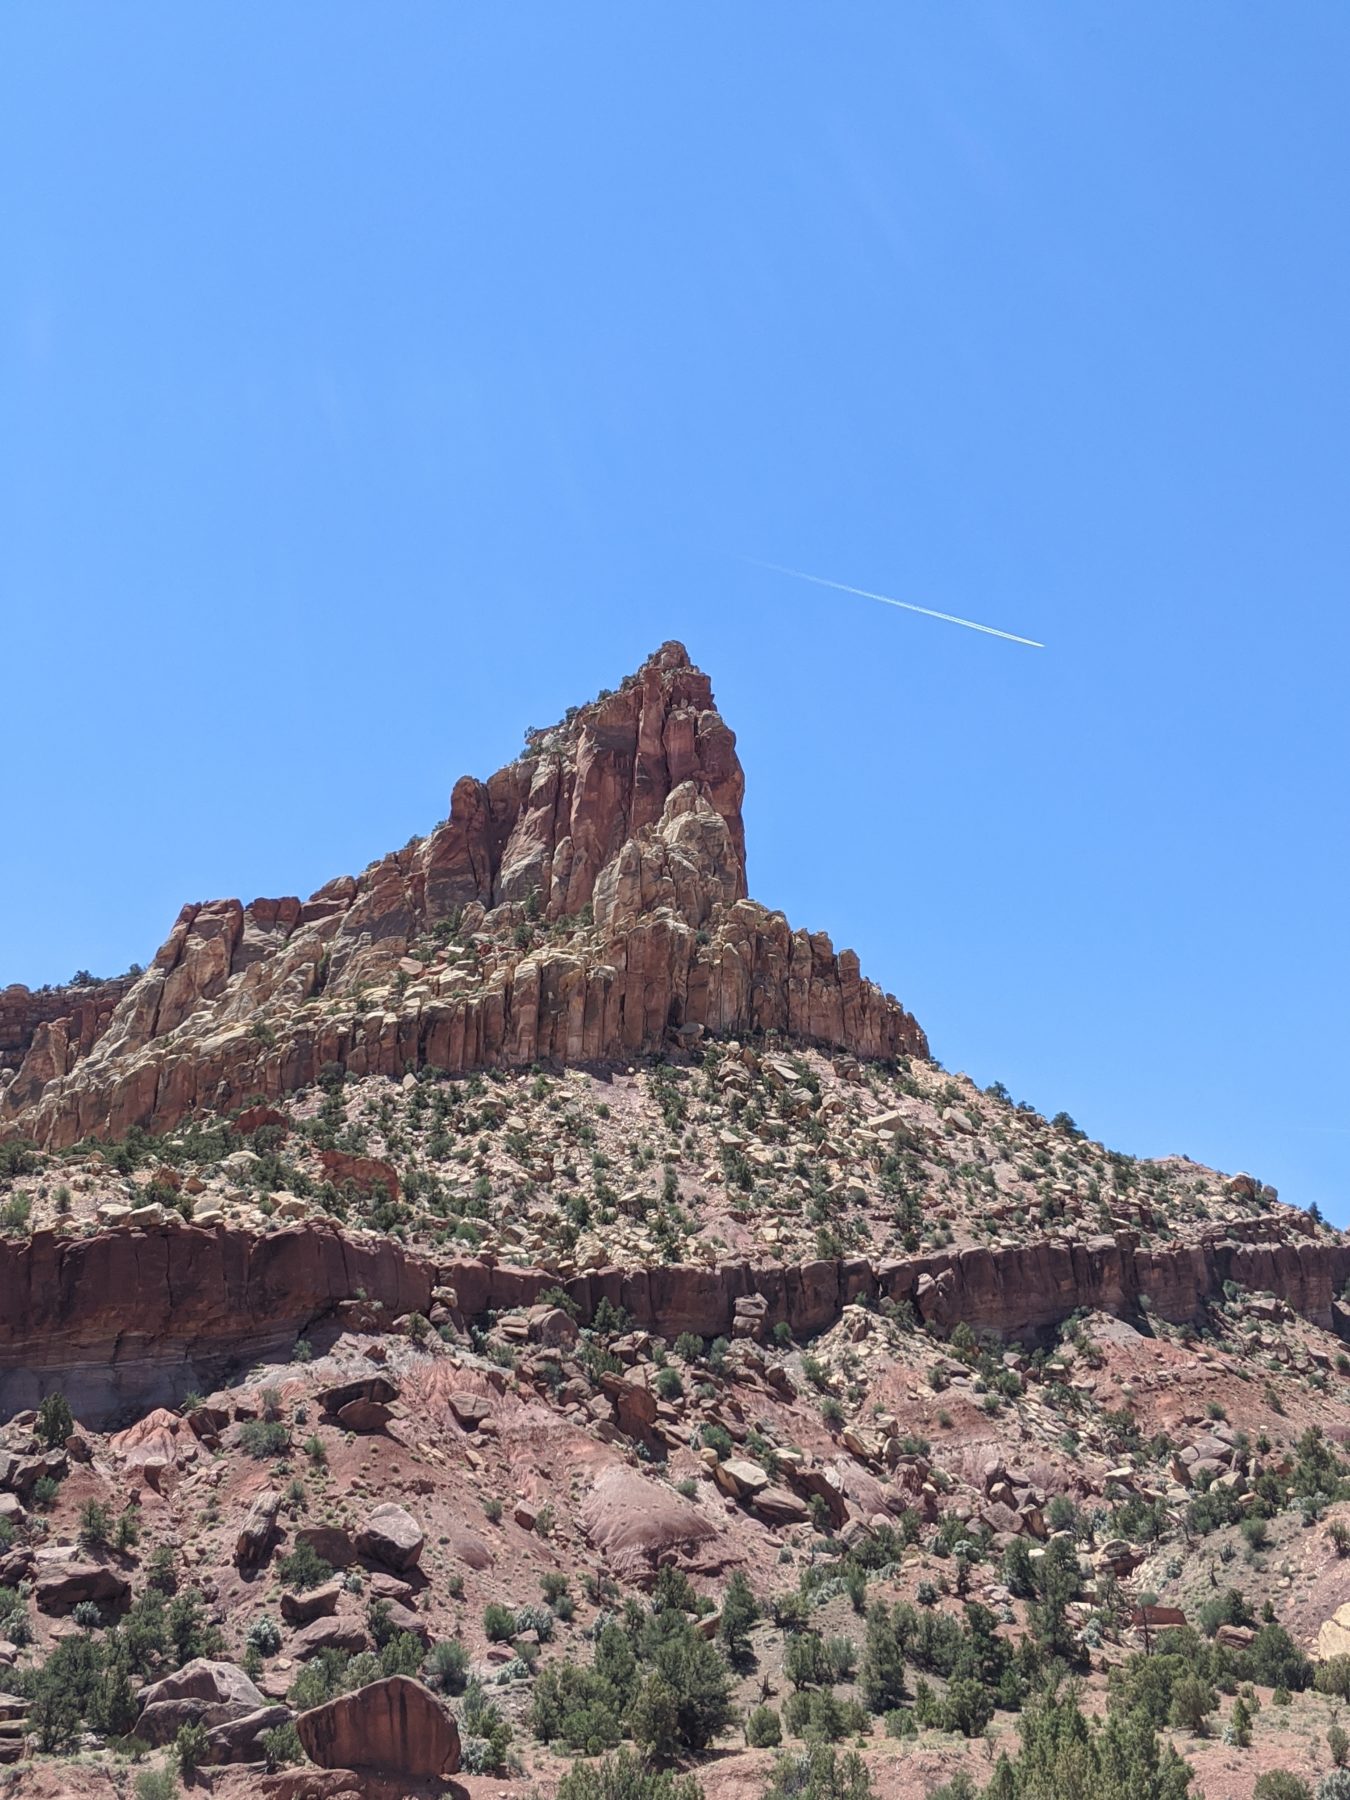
(886, 600)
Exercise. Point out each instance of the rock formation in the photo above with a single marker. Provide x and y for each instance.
(134, 1316)
(393, 1727)
(588, 902)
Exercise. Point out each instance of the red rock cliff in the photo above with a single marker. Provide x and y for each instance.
(132, 1318)
(586, 903)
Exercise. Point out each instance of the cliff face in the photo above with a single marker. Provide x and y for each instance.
(84, 1013)
(586, 903)
(131, 1318)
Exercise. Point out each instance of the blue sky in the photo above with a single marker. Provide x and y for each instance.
(377, 381)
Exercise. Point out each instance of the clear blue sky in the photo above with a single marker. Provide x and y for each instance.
(377, 380)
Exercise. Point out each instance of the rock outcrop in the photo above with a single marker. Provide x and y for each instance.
(134, 1317)
(84, 1010)
(618, 832)
(394, 1727)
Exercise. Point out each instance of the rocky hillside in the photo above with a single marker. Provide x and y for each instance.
(527, 1306)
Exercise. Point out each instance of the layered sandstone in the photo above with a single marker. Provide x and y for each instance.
(586, 903)
(132, 1318)
(84, 1011)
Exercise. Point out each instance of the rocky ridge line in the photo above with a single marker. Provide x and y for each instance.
(128, 1318)
(586, 903)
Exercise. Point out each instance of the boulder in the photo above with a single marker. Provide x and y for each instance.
(316, 1603)
(331, 1542)
(363, 1416)
(392, 1727)
(258, 1530)
(776, 1506)
(1334, 1637)
(202, 1692)
(241, 1740)
(391, 1536)
(637, 1522)
(338, 1633)
(377, 1389)
(66, 1579)
(365, 1172)
(204, 1678)
(740, 1478)
(469, 1410)
(467, 1547)
(551, 1326)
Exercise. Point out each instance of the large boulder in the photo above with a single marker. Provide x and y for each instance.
(330, 1542)
(345, 1632)
(221, 1683)
(156, 1445)
(637, 1522)
(64, 1580)
(391, 1536)
(314, 1603)
(241, 1740)
(204, 1692)
(258, 1530)
(377, 1389)
(392, 1727)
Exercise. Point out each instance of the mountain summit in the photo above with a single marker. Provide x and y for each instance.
(587, 902)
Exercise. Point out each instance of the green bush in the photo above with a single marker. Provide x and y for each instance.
(763, 1731)
(882, 1680)
(576, 1707)
(447, 1667)
(1279, 1784)
(821, 1773)
(740, 1611)
(156, 1784)
(499, 1623)
(263, 1438)
(190, 1748)
(303, 1567)
(805, 1663)
(264, 1636)
(485, 1733)
(624, 1776)
(694, 1674)
(55, 1421)
(282, 1747)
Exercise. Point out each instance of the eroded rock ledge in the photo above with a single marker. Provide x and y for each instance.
(587, 903)
(127, 1319)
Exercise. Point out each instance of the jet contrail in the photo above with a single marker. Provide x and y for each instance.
(886, 600)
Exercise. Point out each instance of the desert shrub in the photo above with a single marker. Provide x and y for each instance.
(499, 1623)
(55, 1421)
(819, 1773)
(805, 1663)
(156, 1784)
(576, 1707)
(1193, 1700)
(264, 1636)
(624, 1776)
(263, 1438)
(282, 1747)
(1279, 1784)
(303, 1567)
(763, 1730)
(485, 1733)
(191, 1748)
(447, 1667)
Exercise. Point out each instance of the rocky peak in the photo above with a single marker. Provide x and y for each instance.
(549, 822)
(586, 903)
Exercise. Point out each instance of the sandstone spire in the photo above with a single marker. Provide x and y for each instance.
(587, 902)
